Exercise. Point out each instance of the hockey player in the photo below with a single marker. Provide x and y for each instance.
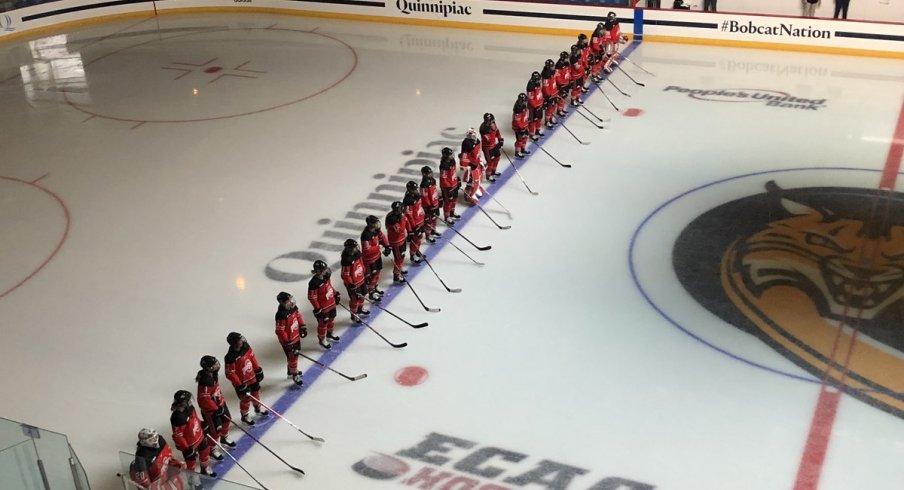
(290, 329)
(597, 52)
(491, 141)
(416, 217)
(577, 83)
(520, 125)
(616, 37)
(397, 231)
(211, 402)
(550, 91)
(323, 298)
(430, 201)
(245, 374)
(563, 82)
(188, 435)
(534, 93)
(154, 466)
(449, 184)
(472, 170)
(353, 276)
(373, 240)
(583, 45)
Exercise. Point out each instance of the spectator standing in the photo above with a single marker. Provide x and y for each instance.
(841, 7)
(809, 7)
(709, 5)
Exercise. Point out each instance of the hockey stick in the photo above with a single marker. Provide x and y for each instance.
(607, 97)
(451, 290)
(609, 79)
(509, 213)
(315, 361)
(419, 325)
(566, 165)
(450, 242)
(255, 439)
(599, 126)
(236, 461)
(574, 135)
(635, 64)
(630, 77)
(372, 329)
(431, 310)
(512, 163)
(600, 119)
(284, 419)
(482, 249)
(484, 211)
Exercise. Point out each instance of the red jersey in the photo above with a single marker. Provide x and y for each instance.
(563, 74)
(577, 70)
(470, 152)
(397, 229)
(151, 465)
(210, 398)
(548, 83)
(429, 194)
(596, 42)
(187, 430)
(415, 215)
(352, 270)
(288, 325)
(489, 136)
(371, 243)
(321, 294)
(519, 118)
(447, 173)
(535, 97)
(239, 366)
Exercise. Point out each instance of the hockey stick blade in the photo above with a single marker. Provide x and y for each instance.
(600, 119)
(608, 79)
(476, 262)
(239, 427)
(372, 329)
(600, 126)
(431, 310)
(412, 325)
(579, 140)
(566, 165)
(635, 64)
(451, 290)
(629, 76)
(483, 248)
(512, 163)
(315, 361)
(607, 97)
(284, 419)
(501, 227)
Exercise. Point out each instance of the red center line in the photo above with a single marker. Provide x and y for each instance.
(817, 444)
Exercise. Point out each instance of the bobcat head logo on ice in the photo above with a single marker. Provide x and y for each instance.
(795, 264)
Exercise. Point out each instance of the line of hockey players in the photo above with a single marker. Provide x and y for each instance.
(409, 222)
(564, 80)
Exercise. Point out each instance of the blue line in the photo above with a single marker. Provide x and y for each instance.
(673, 321)
(281, 405)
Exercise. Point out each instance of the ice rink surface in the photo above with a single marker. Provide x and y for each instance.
(163, 178)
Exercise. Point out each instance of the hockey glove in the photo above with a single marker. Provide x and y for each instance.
(303, 332)
(387, 251)
(242, 390)
(221, 411)
(190, 454)
(338, 296)
(259, 374)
